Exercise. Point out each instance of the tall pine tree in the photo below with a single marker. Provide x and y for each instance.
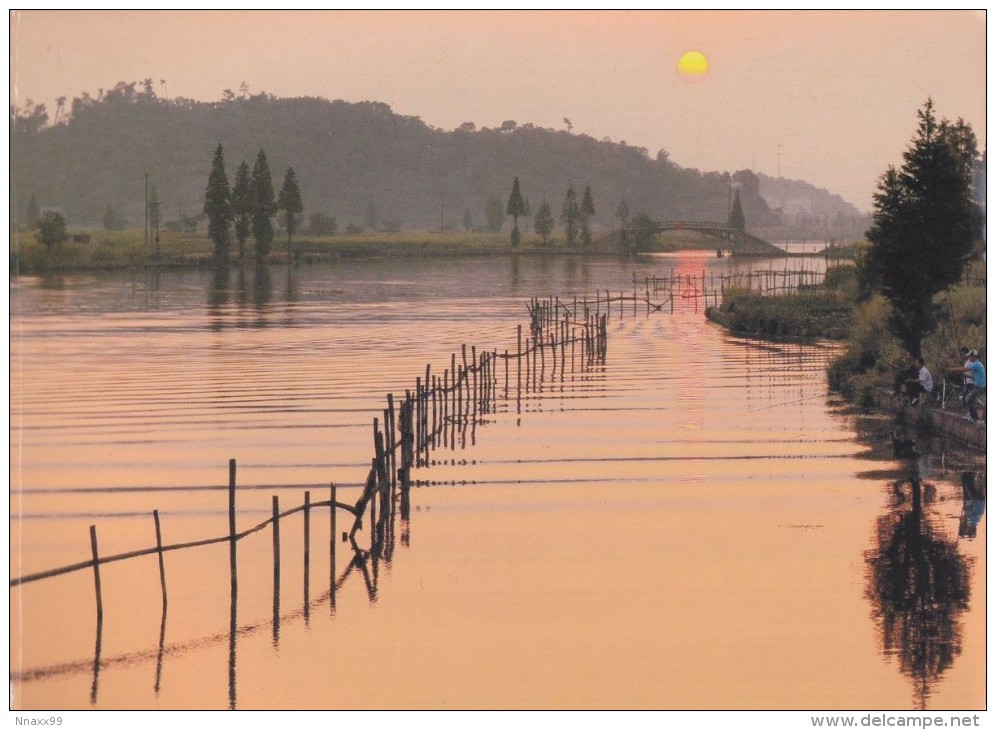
(544, 223)
(736, 219)
(924, 225)
(290, 203)
(217, 205)
(516, 207)
(262, 206)
(570, 216)
(242, 206)
(587, 211)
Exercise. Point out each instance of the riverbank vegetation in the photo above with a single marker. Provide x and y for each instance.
(128, 249)
(918, 288)
(873, 356)
(923, 266)
(809, 313)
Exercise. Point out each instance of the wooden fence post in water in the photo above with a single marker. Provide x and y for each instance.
(159, 552)
(276, 540)
(233, 560)
(96, 573)
(393, 439)
(332, 539)
(518, 358)
(276, 568)
(307, 553)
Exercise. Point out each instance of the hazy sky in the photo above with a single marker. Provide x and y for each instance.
(829, 97)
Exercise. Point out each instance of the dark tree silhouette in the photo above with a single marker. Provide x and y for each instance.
(290, 202)
(587, 211)
(924, 225)
(51, 229)
(218, 205)
(242, 206)
(737, 219)
(570, 216)
(516, 207)
(263, 206)
(544, 223)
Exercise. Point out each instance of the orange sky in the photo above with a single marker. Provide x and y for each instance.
(825, 96)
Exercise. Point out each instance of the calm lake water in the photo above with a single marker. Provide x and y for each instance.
(693, 524)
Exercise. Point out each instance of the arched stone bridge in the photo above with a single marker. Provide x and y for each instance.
(735, 240)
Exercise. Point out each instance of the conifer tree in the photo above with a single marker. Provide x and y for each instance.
(544, 223)
(516, 207)
(217, 205)
(241, 206)
(570, 216)
(924, 224)
(290, 202)
(262, 206)
(737, 219)
(587, 211)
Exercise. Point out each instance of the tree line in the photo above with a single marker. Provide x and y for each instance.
(575, 217)
(363, 163)
(248, 206)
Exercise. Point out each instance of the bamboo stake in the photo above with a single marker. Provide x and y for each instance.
(233, 558)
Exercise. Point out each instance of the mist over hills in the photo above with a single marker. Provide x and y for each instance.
(351, 158)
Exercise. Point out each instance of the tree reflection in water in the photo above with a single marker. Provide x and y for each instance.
(918, 586)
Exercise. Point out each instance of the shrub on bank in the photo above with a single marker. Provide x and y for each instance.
(819, 313)
(873, 357)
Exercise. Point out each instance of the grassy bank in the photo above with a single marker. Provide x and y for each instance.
(873, 357)
(866, 371)
(108, 250)
(128, 249)
(821, 313)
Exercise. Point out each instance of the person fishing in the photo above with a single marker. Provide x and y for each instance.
(978, 372)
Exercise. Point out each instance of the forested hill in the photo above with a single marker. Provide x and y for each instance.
(356, 162)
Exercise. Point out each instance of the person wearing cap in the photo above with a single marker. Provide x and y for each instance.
(978, 371)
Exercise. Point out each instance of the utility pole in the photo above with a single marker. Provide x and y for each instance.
(779, 160)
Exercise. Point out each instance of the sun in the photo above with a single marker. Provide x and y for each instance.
(693, 65)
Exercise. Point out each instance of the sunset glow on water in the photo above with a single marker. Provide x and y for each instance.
(693, 524)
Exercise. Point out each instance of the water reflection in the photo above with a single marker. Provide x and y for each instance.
(760, 382)
(918, 584)
(162, 649)
(96, 660)
(253, 287)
